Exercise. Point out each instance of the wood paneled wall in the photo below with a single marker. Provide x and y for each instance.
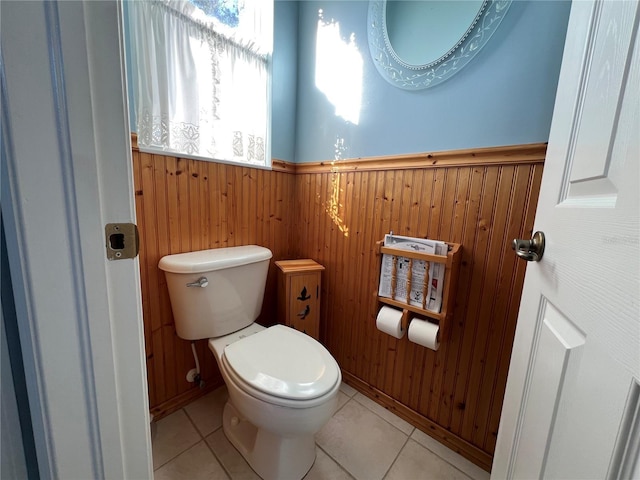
(184, 205)
(334, 214)
(456, 393)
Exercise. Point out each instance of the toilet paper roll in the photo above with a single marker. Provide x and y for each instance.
(424, 333)
(389, 321)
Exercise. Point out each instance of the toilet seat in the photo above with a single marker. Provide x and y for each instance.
(282, 366)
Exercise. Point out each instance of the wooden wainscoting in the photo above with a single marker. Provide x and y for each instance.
(334, 212)
(342, 209)
(184, 205)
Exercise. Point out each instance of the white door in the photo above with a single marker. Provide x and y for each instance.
(572, 404)
(66, 172)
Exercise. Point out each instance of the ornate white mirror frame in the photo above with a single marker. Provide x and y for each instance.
(417, 77)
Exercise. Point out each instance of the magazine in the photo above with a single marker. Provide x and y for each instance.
(418, 270)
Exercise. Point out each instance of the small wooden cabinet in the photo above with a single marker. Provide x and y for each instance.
(299, 295)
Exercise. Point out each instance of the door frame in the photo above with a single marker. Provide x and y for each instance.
(67, 172)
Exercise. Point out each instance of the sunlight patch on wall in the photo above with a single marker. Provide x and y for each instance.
(333, 207)
(339, 70)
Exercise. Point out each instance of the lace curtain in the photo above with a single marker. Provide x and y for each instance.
(201, 87)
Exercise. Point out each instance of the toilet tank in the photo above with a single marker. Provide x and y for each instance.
(216, 292)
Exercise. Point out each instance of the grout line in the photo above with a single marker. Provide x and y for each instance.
(355, 392)
(180, 453)
(349, 399)
(340, 408)
(193, 423)
(396, 459)
(336, 461)
(227, 472)
(382, 418)
(445, 460)
(203, 439)
(408, 436)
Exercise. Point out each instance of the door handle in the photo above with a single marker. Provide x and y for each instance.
(530, 250)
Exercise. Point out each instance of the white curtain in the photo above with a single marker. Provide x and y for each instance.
(201, 88)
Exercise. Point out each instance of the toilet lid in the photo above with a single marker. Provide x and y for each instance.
(283, 362)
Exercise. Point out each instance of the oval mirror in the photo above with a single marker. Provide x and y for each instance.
(419, 44)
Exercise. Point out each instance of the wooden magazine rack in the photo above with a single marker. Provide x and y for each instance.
(451, 263)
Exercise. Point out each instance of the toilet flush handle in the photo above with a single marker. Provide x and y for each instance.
(201, 282)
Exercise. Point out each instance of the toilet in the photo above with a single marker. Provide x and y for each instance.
(282, 384)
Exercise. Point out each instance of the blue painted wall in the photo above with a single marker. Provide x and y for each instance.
(504, 96)
(284, 80)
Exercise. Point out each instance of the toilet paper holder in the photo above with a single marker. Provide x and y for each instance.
(451, 263)
(404, 320)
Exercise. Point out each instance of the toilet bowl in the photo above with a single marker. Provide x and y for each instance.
(282, 384)
(282, 390)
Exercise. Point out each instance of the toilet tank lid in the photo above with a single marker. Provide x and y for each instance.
(213, 259)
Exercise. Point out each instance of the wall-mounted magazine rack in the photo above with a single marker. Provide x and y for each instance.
(451, 262)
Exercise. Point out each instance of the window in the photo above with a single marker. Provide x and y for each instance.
(201, 77)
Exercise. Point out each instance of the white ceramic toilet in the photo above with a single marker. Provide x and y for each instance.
(282, 383)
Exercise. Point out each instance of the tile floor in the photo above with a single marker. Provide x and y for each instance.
(362, 441)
